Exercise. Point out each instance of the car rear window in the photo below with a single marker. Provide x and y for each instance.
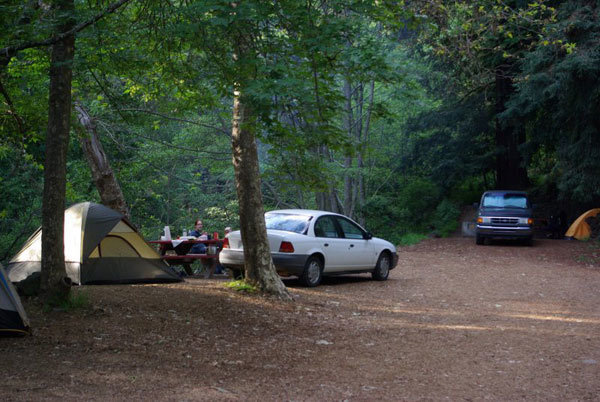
(287, 222)
(505, 201)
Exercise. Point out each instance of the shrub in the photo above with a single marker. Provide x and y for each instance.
(445, 218)
(241, 286)
(411, 238)
(77, 300)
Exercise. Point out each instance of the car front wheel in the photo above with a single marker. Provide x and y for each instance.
(382, 269)
(313, 272)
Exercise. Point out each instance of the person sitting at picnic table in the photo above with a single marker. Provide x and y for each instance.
(200, 233)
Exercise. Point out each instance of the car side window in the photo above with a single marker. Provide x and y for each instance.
(351, 231)
(325, 227)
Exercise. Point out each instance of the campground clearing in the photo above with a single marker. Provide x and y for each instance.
(454, 321)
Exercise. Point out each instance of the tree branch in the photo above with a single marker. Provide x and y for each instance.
(11, 109)
(164, 116)
(10, 51)
(172, 146)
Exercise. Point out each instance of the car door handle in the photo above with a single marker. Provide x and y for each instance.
(352, 245)
(326, 244)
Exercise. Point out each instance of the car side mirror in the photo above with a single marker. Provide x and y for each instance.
(367, 236)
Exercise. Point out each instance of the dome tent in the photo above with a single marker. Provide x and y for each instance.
(13, 320)
(580, 229)
(100, 248)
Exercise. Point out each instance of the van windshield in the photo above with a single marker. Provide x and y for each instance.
(287, 222)
(505, 201)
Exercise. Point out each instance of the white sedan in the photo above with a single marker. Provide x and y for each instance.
(310, 244)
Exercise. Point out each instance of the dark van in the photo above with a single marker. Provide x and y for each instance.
(504, 215)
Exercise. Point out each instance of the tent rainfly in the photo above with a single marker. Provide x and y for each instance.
(580, 228)
(13, 320)
(100, 248)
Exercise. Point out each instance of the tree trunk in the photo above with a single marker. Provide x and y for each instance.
(364, 145)
(510, 172)
(357, 128)
(322, 201)
(348, 176)
(328, 200)
(260, 270)
(106, 183)
(55, 286)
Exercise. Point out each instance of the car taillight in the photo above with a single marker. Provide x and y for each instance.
(226, 243)
(286, 247)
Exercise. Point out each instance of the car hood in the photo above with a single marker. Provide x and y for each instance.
(515, 212)
(383, 243)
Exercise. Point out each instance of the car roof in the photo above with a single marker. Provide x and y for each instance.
(306, 212)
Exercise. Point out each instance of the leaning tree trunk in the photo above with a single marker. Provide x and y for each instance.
(54, 285)
(260, 270)
(106, 183)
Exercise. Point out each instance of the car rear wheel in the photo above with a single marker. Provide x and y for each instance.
(382, 269)
(313, 272)
(237, 273)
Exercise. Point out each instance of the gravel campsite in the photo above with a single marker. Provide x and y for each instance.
(454, 321)
(299, 200)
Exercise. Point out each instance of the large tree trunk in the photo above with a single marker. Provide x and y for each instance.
(260, 270)
(106, 183)
(54, 285)
(510, 171)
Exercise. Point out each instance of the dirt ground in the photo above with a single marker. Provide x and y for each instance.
(454, 321)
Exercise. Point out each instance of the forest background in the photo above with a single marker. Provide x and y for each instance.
(397, 114)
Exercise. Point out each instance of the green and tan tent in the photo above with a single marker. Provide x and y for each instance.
(13, 320)
(100, 248)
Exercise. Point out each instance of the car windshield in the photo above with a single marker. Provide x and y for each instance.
(287, 222)
(505, 201)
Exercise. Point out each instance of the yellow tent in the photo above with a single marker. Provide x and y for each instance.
(580, 229)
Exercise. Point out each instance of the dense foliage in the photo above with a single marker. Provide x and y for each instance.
(386, 112)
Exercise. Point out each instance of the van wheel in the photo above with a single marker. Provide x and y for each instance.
(479, 240)
(313, 272)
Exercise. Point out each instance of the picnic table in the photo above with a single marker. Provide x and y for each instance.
(175, 252)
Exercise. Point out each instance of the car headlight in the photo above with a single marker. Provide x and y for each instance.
(526, 221)
(484, 219)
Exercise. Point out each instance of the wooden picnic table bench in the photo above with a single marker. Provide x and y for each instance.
(181, 256)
